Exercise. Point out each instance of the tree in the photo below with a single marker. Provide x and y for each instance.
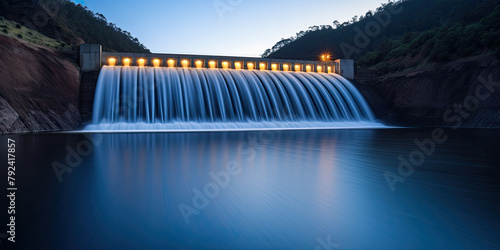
(266, 53)
(336, 24)
(313, 28)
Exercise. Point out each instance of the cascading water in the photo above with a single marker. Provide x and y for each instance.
(148, 98)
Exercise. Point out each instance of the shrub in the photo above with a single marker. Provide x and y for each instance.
(18, 26)
(20, 36)
(5, 31)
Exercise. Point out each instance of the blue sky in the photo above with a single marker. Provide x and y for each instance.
(223, 27)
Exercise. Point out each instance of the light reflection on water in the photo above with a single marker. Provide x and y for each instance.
(294, 186)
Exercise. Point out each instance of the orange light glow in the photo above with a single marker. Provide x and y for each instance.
(250, 66)
(308, 68)
(126, 62)
(325, 57)
(329, 69)
(141, 62)
(274, 67)
(286, 67)
(297, 68)
(185, 63)
(211, 64)
(237, 65)
(225, 65)
(171, 63)
(199, 64)
(262, 66)
(112, 61)
(156, 63)
(319, 69)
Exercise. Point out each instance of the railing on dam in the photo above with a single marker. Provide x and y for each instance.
(220, 62)
(92, 58)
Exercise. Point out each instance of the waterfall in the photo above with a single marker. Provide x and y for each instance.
(149, 98)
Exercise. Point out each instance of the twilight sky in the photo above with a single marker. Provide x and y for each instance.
(223, 27)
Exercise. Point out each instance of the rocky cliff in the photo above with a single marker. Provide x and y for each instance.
(39, 89)
(464, 93)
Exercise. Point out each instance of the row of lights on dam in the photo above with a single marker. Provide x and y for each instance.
(212, 64)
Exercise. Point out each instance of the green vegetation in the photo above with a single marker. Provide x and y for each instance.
(70, 23)
(30, 35)
(415, 33)
(440, 44)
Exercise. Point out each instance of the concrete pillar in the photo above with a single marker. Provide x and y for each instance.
(90, 57)
(346, 68)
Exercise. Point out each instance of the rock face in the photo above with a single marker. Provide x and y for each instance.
(39, 89)
(463, 93)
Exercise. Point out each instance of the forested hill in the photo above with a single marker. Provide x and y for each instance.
(402, 34)
(65, 22)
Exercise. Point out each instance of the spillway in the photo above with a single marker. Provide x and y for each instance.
(151, 98)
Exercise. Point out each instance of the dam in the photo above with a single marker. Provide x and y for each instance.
(192, 92)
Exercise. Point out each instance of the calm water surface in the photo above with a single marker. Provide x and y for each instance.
(321, 189)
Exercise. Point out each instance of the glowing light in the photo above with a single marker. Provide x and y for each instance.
(126, 62)
(237, 65)
(297, 68)
(171, 63)
(285, 67)
(211, 64)
(185, 63)
(274, 67)
(250, 66)
(198, 64)
(112, 61)
(141, 62)
(225, 65)
(325, 57)
(156, 63)
(329, 69)
(262, 66)
(319, 69)
(308, 68)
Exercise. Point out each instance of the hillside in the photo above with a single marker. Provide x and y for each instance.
(66, 23)
(39, 89)
(403, 35)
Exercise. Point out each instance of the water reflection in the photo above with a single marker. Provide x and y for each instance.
(292, 187)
